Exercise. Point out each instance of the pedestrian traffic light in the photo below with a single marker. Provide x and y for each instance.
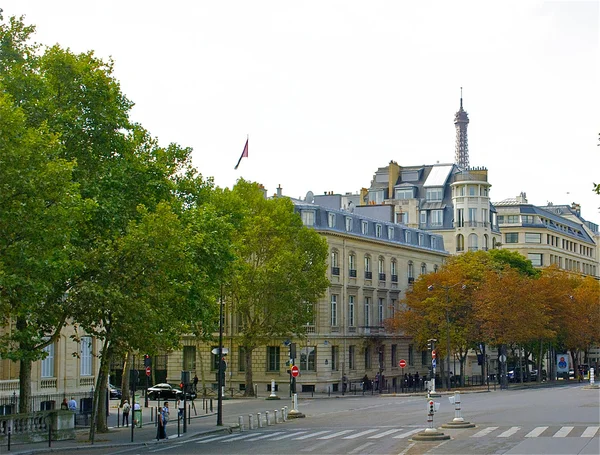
(147, 360)
(431, 407)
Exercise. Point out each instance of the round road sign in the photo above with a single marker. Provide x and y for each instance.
(402, 363)
(433, 354)
(147, 371)
(295, 371)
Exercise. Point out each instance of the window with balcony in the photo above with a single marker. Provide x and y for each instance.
(368, 271)
(394, 271)
(381, 269)
(460, 242)
(335, 263)
(411, 272)
(352, 265)
(473, 242)
(380, 311)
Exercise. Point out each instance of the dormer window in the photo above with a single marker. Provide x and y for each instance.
(331, 220)
(434, 194)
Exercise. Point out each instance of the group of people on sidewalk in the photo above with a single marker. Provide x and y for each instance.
(163, 415)
(126, 408)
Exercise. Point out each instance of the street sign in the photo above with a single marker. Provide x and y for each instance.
(433, 354)
(215, 351)
(147, 371)
(502, 358)
(402, 363)
(295, 371)
(433, 363)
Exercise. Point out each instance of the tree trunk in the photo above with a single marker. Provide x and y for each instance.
(539, 362)
(249, 392)
(98, 417)
(24, 386)
(125, 378)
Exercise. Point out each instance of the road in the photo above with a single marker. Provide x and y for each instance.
(561, 420)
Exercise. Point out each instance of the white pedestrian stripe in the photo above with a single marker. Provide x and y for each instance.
(362, 433)
(563, 432)
(408, 433)
(536, 432)
(385, 433)
(216, 438)
(509, 432)
(289, 435)
(590, 432)
(311, 435)
(265, 436)
(335, 435)
(484, 432)
(239, 437)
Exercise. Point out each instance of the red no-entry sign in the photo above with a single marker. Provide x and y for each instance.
(295, 371)
(147, 371)
(402, 363)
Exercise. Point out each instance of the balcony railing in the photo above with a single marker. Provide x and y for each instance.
(394, 278)
(411, 280)
(382, 277)
(369, 275)
(352, 273)
(335, 270)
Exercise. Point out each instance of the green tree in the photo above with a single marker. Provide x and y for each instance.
(280, 271)
(40, 209)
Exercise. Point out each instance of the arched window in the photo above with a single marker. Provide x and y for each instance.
(435, 268)
(423, 268)
(352, 265)
(460, 243)
(381, 268)
(485, 242)
(394, 270)
(335, 262)
(368, 272)
(411, 272)
(473, 239)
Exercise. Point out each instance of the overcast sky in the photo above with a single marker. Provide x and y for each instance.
(328, 91)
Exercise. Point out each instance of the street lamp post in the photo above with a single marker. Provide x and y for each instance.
(220, 370)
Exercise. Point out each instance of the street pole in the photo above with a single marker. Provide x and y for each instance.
(219, 379)
(447, 341)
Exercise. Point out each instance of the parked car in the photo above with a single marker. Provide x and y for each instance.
(166, 391)
(115, 392)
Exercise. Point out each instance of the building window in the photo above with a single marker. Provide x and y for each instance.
(535, 258)
(460, 217)
(411, 354)
(472, 216)
(349, 223)
(307, 358)
(484, 216)
(367, 311)
(407, 237)
(421, 239)
(435, 268)
(510, 219)
(394, 271)
(434, 243)
(472, 190)
(486, 242)
(352, 357)
(390, 233)
(380, 311)
(460, 191)
(85, 366)
(460, 242)
(272, 358)
(352, 265)
(351, 321)
(473, 242)
(402, 218)
(434, 194)
(437, 217)
(48, 362)
(308, 217)
(404, 193)
(531, 237)
(423, 268)
(368, 272)
(241, 358)
(423, 217)
(335, 356)
(394, 355)
(378, 230)
(511, 237)
(189, 358)
(335, 265)
(411, 272)
(364, 226)
(367, 358)
(331, 220)
(334, 300)
(527, 219)
(381, 268)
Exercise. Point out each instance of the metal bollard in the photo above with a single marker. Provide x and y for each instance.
(457, 413)
(118, 418)
(283, 415)
(250, 426)
(8, 439)
(152, 414)
(275, 416)
(329, 391)
(211, 405)
(241, 423)
(267, 418)
(50, 435)
(258, 420)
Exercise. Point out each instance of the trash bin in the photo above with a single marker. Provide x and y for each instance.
(137, 418)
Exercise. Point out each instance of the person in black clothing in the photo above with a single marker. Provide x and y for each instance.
(195, 383)
(366, 384)
(417, 385)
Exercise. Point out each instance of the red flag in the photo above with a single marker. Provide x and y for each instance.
(244, 154)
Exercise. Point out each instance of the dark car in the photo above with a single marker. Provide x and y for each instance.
(166, 391)
(115, 392)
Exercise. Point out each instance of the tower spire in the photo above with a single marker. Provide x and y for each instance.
(461, 121)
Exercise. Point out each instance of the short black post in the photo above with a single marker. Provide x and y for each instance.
(50, 435)
(211, 405)
(9, 439)
(329, 391)
(118, 418)
(189, 414)
(152, 414)
(178, 425)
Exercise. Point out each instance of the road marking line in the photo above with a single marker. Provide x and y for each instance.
(333, 435)
(590, 432)
(362, 433)
(215, 438)
(265, 436)
(311, 435)
(484, 432)
(408, 433)
(239, 437)
(536, 432)
(289, 435)
(385, 433)
(359, 449)
(509, 432)
(563, 432)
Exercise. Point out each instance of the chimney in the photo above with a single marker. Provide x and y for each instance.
(279, 190)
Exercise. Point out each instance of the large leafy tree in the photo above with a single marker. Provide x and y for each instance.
(40, 211)
(280, 271)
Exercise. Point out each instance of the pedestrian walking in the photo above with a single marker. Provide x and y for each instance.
(126, 408)
(196, 383)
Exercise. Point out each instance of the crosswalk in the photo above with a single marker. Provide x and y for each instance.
(366, 434)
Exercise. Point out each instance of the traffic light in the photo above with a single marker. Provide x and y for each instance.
(293, 351)
(431, 407)
(147, 360)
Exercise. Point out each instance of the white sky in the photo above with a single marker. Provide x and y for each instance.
(331, 90)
